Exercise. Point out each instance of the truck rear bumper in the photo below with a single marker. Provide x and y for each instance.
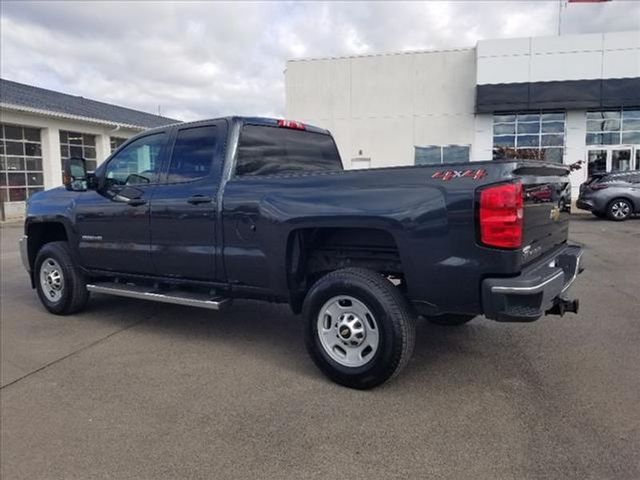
(539, 290)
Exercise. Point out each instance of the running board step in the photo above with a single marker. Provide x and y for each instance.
(191, 299)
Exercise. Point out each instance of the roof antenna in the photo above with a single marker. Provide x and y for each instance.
(159, 110)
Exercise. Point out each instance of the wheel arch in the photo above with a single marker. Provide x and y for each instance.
(40, 233)
(312, 252)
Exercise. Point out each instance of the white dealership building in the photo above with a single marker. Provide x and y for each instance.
(561, 98)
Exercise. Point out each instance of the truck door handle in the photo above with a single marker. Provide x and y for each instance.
(136, 202)
(196, 199)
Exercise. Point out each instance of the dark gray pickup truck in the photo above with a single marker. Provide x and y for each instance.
(201, 213)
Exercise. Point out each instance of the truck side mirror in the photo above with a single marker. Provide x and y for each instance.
(75, 176)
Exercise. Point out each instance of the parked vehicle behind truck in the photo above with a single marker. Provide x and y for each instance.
(202, 213)
(614, 195)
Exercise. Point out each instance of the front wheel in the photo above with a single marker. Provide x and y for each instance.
(360, 330)
(60, 285)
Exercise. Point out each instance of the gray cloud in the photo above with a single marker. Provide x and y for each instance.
(207, 59)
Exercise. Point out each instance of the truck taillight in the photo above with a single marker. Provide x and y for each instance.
(291, 124)
(500, 215)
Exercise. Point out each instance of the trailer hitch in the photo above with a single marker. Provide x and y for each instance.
(562, 306)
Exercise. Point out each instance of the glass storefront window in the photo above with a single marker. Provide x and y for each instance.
(531, 135)
(613, 127)
(116, 142)
(20, 162)
(631, 137)
(597, 161)
(438, 154)
(428, 155)
(553, 127)
(621, 159)
(75, 144)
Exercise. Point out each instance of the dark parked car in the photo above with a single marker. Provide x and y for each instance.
(614, 195)
(201, 213)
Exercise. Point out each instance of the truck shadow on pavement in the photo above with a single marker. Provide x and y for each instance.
(272, 333)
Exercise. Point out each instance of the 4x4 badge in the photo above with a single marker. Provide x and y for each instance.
(446, 175)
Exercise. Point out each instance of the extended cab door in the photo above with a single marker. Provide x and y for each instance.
(184, 207)
(113, 221)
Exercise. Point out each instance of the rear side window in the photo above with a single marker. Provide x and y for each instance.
(266, 150)
(618, 178)
(192, 154)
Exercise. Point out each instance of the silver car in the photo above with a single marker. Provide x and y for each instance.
(614, 195)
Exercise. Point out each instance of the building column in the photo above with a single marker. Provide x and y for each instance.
(103, 147)
(482, 146)
(51, 159)
(575, 148)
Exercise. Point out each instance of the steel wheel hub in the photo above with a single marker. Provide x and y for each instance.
(348, 331)
(51, 280)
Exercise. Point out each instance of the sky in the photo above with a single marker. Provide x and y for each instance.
(208, 59)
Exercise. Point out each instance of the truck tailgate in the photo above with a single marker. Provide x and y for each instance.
(547, 204)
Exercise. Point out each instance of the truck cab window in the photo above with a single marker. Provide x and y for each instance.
(264, 150)
(192, 154)
(138, 163)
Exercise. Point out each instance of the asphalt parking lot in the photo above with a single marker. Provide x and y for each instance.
(131, 389)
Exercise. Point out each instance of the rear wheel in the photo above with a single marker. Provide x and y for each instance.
(451, 320)
(60, 285)
(619, 210)
(359, 330)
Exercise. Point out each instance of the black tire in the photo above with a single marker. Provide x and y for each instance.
(393, 319)
(74, 294)
(451, 320)
(619, 209)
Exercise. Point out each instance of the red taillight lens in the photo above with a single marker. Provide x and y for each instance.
(501, 211)
(598, 186)
(291, 124)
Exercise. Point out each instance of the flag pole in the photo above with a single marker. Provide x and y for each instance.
(560, 2)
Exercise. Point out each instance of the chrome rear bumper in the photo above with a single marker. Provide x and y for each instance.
(537, 291)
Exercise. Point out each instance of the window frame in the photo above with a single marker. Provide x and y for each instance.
(24, 171)
(82, 145)
(101, 171)
(539, 134)
(117, 139)
(234, 163)
(441, 147)
(221, 137)
(620, 117)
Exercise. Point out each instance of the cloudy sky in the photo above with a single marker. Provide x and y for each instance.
(199, 60)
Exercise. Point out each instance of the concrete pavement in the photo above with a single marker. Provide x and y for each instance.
(131, 389)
